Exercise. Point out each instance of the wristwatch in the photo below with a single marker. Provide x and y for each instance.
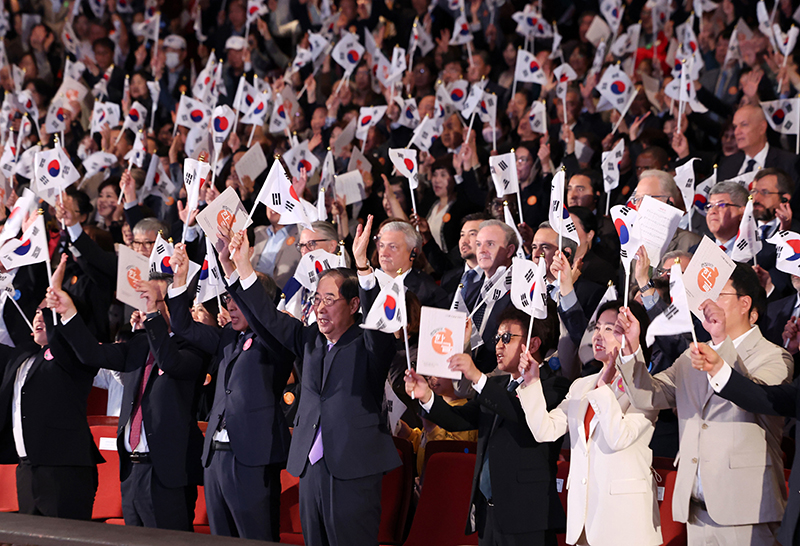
(647, 287)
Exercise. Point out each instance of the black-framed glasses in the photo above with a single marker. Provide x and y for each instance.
(136, 245)
(505, 337)
(636, 200)
(721, 206)
(764, 193)
(310, 245)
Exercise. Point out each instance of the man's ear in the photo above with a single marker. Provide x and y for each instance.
(355, 304)
(535, 345)
(511, 250)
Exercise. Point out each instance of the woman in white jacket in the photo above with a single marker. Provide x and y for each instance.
(611, 499)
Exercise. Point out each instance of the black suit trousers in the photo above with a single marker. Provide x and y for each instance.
(337, 512)
(146, 502)
(56, 491)
(489, 534)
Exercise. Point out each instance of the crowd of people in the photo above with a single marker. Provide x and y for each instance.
(124, 120)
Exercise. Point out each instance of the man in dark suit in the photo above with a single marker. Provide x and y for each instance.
(43, 424)
(754, 151)
(247, 440)
(514, 498)
(158, 439)
(341, 445)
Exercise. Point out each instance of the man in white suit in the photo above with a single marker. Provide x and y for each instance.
(730, 488)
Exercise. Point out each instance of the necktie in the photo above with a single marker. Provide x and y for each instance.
(478, 316)
(136, 422)
(751, 164)
(316, 452)
(765, 229)
(471, 287)
(485, 482)
(723, 248)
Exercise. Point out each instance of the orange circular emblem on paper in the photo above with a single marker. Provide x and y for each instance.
(707, 278)
(134, 276)
(225, 218)
(446, 218)
(532, 200)
(442, 341)
(290, 241)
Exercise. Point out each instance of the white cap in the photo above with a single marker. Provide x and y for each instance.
(175, 42)
(235, 42)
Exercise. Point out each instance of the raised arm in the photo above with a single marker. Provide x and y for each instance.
(620, 429)
(546, 426)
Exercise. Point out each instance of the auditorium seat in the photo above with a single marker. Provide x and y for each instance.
(396, 492)
(8, 488)
(448, 446)
(291, 532)
(200, 515)
(97, 403)
(441, 514)
(105, 420)
(108, 500)
(673, 532)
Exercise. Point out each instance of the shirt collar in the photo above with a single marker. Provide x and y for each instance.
(738, 340)
(760, 157)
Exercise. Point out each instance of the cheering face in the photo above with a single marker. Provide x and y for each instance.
(750, 128)
(723, 222)
(508, 353)
(452, 135)
(524, 163)
(492, 249)
(579, 192)
(107, 202)
(238, 322)
(334, 314)
(468, 238)
(729, 146)
(764, 205)
(545, 242)
(603, 340)
(426, 106)
(39, 330)
(735, 306)
(393, 252)
(310, 241)
(443, 183)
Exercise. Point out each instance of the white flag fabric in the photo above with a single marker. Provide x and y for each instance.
(160, 256)
(137, 154)
(301, 157)
(473, 99)
(388, 312)
(223, 123)
(278, 194)
(609, 295)
(368, 116)
(245, 95)
(348, 52)
(675, 319)
(9, 158)
(104, 113)
(612, 11)
(54, 172)
(529, 287)
(487, 109)
(504, 173)
(457, 92)
(311, 265)
(509, 220)
(733, 53)
(26, 204)
(627, 42)
(209, 284)
(560, 219)
(195, 174)
(685, 178)
(527, 68)
(258, 110)
(29, 249)
(610, 166)
(787, 250)
(782, 115)
(56, 120)
(616, 87)
(785, 41)
(538, 117)
(136, 118)
(624, 219)
(25, 162)
(599, 57)
(747, 243)
(405, 161)
(409, 115)
(461, 33)
(421, 39)
(563, 75)
(99, 162)
(192, 113)
(701, 193)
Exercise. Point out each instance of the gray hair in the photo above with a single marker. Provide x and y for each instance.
(508, 231)
(151, 224)
(566, 242)
(325, 230)
(412, 237)
(684, 256)
(667, 184)
(737, 192)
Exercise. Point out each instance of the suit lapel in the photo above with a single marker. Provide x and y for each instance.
(346, 338)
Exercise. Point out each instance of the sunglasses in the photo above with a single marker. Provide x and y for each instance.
(505, 337)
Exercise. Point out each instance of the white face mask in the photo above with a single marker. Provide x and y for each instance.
(82, 153)
(172, 59)
(487, 134)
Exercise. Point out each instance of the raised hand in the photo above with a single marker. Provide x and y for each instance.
(714, 321)
(179, 263)
(528, 367)
(561, 266)
(137, 320)
(462, 362)
(705, 359)
(361, 242)
(151, 292)
(789, 336)
(417, 387)
(56, 298)
(627, 327)
(642, 270)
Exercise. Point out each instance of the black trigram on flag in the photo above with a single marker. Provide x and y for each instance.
(276, 199)
(742, 244)
(670, 312)
(529, 275)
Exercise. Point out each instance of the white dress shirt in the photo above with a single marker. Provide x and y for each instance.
(16, 406)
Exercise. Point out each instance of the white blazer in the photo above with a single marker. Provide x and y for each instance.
(612, 491)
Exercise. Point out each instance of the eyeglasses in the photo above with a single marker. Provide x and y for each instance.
(636, 200)
(226, 298)
(505, 337)
(310, 245)
(327, 300)
(136, 245)
(764, 193)
(720, 206)
(524, 159)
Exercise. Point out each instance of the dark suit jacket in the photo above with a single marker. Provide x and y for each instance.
(523, 471)
(779, 400)
(173, 437)
(343, 389)
(53, 405)
(778, 314)
(427, 291)
(249, 386)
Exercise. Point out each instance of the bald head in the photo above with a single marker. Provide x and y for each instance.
(750, 129)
